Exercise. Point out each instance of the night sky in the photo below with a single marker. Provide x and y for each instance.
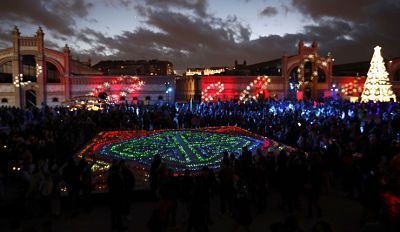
(203, 33)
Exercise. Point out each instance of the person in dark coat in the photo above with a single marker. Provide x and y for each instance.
(129, 183)
(116, 193)
(226, 175)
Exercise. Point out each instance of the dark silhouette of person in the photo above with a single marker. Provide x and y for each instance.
(116, 195)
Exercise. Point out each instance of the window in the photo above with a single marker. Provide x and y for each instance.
(160, 98)
(53, 75)
(55, 99)
(4, 100)
(6, 72)
(148, 98)
(29, 68)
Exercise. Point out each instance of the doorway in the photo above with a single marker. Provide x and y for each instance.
(30, 98)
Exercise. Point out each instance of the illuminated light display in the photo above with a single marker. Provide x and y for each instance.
(85, 102)
(202, 71)
(179, 149)
(128, 85)
(321, 62)
(212, 91)
(352, 88)
(217, 87)
(39, 70)
(377, 87)
(255, 88)
(19, 81)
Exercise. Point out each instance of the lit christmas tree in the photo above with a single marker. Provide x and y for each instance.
(377, 87)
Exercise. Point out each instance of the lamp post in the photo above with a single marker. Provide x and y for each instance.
(168, 89)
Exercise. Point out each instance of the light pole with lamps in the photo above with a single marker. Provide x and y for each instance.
(168, 89)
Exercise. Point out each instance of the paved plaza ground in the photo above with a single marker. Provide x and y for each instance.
(342, 213)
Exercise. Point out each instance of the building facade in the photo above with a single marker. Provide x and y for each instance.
(135, 67)
(306, 75)
(33, 75)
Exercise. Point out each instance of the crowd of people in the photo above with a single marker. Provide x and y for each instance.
(356, 145)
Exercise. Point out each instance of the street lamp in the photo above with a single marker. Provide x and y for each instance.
(168, 90)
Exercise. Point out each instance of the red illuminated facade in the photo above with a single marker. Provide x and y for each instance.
(33, 75)
(306, 75)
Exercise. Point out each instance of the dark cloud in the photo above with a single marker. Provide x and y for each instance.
(269, 11)
(345, 9)
(371, 22)
(193, 40)
(198, 6)
(56, 15)
(187, 41)
(5, 38)
(183, 32)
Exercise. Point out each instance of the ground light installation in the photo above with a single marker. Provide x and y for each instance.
(179, 149)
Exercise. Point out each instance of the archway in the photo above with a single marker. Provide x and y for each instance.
(307, 71)
(307, 93)
(293, 83)
(321, 76)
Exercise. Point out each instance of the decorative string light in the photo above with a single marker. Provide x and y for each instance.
(39, 70)
(352, 88)
(207, 96)
(255, 88)
(320, 61)
(19, 82)
(130, 84)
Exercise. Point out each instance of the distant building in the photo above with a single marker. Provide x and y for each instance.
(135, 67)
(205, 71)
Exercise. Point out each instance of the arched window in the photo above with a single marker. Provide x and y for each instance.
(4, 100)
(55, 99)
(6, 72)
(53, 75)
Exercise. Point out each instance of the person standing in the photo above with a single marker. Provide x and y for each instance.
(116, 193)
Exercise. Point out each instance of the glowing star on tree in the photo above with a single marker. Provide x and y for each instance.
(377, 87)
